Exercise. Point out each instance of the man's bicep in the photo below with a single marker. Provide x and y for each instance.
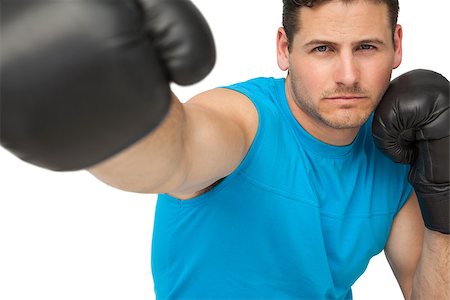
(221, 127)
(405, 244)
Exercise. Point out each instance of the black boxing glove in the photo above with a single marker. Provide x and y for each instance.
(82, 80)
(411, 125)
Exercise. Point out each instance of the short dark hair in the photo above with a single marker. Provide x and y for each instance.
(291, 9)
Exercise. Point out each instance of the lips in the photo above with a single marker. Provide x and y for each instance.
(350, 97)
(346, 101)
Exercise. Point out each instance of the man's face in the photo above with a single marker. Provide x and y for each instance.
(340, 62)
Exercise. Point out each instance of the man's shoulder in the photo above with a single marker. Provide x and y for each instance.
(261, 85)
(242, 101)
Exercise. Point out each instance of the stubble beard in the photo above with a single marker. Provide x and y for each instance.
(346, 118)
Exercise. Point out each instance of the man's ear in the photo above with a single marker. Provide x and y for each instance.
(398, 51)
(282, 49)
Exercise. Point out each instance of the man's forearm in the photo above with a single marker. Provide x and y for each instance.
(432, 278)
(152, 162)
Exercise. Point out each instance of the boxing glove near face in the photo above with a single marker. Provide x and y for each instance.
(82, 80)
(411, 125)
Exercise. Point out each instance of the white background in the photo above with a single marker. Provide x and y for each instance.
(67, 236)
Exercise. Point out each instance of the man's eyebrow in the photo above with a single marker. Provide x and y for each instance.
(330, 43)
(319, 42)
(372, 41)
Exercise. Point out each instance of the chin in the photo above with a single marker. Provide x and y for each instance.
(347, 120)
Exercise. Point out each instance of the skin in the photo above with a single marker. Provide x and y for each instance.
(339, 67)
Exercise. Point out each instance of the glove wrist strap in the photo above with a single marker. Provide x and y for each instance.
(435, 211)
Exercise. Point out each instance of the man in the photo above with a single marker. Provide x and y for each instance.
(281, 179)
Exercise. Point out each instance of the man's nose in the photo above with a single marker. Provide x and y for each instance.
(347, 70)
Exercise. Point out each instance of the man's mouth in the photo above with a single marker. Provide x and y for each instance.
(346, 101)
(348, 97)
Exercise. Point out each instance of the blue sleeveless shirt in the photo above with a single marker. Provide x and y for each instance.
(297, 219)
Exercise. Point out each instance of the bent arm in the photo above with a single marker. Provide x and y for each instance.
(419, 258)
(432, 277)
(404, 246)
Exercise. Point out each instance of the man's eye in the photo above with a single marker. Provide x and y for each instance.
(366, 47)
(321, 49)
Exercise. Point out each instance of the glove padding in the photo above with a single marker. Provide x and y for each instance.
(82, 80)
(411, 125)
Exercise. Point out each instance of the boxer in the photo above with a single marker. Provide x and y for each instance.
(268, 188)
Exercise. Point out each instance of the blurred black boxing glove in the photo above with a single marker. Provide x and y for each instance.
(411, 125)
(83, 79)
